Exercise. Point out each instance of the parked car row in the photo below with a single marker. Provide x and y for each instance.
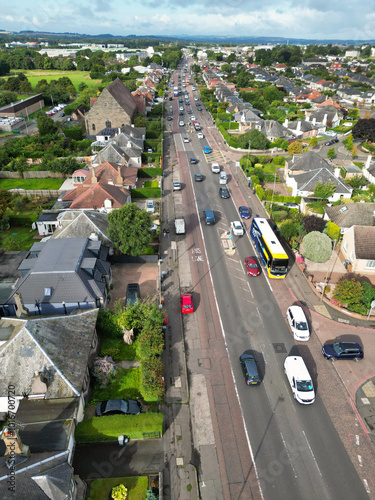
(55, 110)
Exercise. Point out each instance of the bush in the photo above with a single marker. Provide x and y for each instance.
(368, 293)
(74, 132)
(313, 223)
(358, 308)
(279, 215)
(260, 192)
(152, 381)
(150, 172)
(104, 370)
(288, 229)
(317, 247)
(332, 230)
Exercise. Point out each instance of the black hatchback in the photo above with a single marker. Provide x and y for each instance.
(250, 369)
(224, 192)
(343, 350)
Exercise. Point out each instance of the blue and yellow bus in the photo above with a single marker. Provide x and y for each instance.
(270, 250)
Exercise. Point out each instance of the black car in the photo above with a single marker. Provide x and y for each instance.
(332, 141)
(250, 369)
(181, 113)
(224, 192)
(132, 294)
(170, 98)
(193, 161)
(118, 407)
(169, 118)
(198, 177)
(343, 350)
(180, 100)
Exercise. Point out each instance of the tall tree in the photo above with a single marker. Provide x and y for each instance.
(129, 228)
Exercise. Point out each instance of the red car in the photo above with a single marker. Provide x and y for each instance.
(252, 266)
(186, 300)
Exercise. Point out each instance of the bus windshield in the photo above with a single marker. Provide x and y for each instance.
(280, 265)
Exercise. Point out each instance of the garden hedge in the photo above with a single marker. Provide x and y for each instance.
(146, 193)
(150, 172)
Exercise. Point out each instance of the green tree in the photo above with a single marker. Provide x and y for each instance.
(256, 138)
(316, 247)
(129, 228)
(295, 148)
(348, 142)
(331, 153)
(288, 229)
(231, 58)
(227, 68)
(314, 141)
(324, 191)
(348, 291)
(46, 125)
(5, 199)
(271, 94)
(119, 492)
(332, 230)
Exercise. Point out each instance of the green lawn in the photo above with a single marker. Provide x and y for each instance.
(110, 427)
(76, 77)
(127, 352)
(17, 238)
(37, 184)
(151, 184)
(137, 487)
(126, 386)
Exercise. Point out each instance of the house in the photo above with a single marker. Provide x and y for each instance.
(302, 129)
(58, 276)
(347, 169)
(351, 214)
(96, 196)
(369, 170)
(78, 113)
(358, 247)
(115, 107)
(125, 148)
(107, 173)
(280, 67)
(327, 117)
(305, 162)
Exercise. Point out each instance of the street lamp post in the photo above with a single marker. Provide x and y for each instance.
(273, 191)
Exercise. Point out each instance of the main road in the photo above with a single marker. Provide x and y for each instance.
(296, 449)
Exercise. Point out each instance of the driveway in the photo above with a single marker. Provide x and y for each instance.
(144, 274)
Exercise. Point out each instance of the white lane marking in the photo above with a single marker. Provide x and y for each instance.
(260, 317)
(238, 278)
(360, 461)
(366, 485)
(308, 444)
(248, 284)
(234, 260)
(290, 458)
(357, 439)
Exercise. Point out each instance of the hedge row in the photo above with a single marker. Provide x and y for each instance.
(230, 125)
(280, 198)
(150, 172)
(21, 221)
(146, 193)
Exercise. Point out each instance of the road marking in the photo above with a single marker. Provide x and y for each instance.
(248, 284)
(234, 260)
(237, 278)
(366, 486)
(308, 444)
(360, 461)
(290, 458)
(357, 439)
(260, 317)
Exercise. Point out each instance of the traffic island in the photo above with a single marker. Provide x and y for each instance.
(228, 244)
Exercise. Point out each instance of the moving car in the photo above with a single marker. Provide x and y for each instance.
(237, 228)
(299, 379)
(181, 108)
(250, 369)
(186, 139)
(177, 186)
(132, 294)
(193, 161)
(195, 98)
(298, 323)
(186, 301)
(198, 177)
(209, 216)
(207, 150)
(223, 178)
(343, 350)
(252, 267)
(244, 212)
(224, 192)
(200, 135)
(192, 118)
(118, 407)
(150, 206)
(169, 118)
(181, 123)
(215, 167)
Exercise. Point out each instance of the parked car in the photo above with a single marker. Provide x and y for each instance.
(186, 139)
(198, 177)
(343, 350)
(132, 294)
(200, 135)
(298, 323)
(193, 160)
(177, 186)
(290, 204)
(181, 123)
(250, 369)
(224, 192)
(207, 150)
(331, 141)
(118, 407)
(186, 302)
(252, 266)
(244, 212)
(169, 118)
(150, 206)
(237, 228)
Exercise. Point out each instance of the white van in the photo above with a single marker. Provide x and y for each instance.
(215, 167)
(223, 179)
(299, 380)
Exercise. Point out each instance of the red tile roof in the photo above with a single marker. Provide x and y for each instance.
(94, 196)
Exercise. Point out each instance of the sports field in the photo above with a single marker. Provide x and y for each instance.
(76, 77)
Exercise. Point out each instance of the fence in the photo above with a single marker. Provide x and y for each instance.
(49, 193)
(138, 259)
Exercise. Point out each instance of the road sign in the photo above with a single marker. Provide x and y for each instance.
(230, 236)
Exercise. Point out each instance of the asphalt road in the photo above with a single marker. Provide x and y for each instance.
(297, 451)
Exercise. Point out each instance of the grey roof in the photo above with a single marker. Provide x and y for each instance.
(58, 347)
(83, 224)
(364, 242)
(308, 161)
(352, 214)
(308, 180)
(55, 482)
(122, 95)
(58, 268)
(304, 126)
(48, 216)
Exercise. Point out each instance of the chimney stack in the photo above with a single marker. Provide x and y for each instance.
(94, 180)
(13, 443)
(21, 310)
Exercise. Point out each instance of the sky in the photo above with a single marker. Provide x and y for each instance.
(309, 19)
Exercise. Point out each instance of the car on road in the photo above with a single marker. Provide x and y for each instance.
(180, 100)
(298, 323)
(209, 216)
(181, 123)
(331, 141)
(199, 108)
(186, 301)
(224, 192)
(193, 160)
(244, 212)
(193, 119)
(177, 186)
(250, 369)
(169, 118)
(193, 88)
(181, 108)
(195, 98)
(150, 206)
(215, 167)
(200, 135)
(118, 407)
(132, 294)
(186, 139)
(181, 113)
(207, 150)
(237, 228)
(343, 350)
(290, 204)
(198, 177)
(252, 267)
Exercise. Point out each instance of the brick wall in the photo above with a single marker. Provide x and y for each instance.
(106, 109)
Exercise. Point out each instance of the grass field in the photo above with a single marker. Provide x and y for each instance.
(125, 386)
(137, 487)
(17, 239)
(31, 183)
(76, 77)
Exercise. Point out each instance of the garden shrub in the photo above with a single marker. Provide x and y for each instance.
(279, 160)
(279, 215)
(152, 381)
(151, 172)
(255, 180)
(317, 247)
(368, 293)
(104, 370)
(313, 223)
(288, 229)
(332, 230)
(260, 192)
(358, 308)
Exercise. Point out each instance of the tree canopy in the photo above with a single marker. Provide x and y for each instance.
(364, 129)
(256, 138)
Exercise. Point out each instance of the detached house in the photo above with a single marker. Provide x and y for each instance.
(358, 247)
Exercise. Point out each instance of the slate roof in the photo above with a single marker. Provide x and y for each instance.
(308, 180)
(352, 214)
(364, 242)
(59, 346)
(58, 267)
(308, 161)
(83, 224)
(122, 95)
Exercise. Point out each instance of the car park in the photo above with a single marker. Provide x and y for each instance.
(343, 350)
(207, 150)
(186, 139)
(215, 167)
(252, 267)
(244, 212)
(224, 192)
(177, 186)
(200, 135)
(186, 301)
(118, 407)
(237, 228)
(193, 161)
(181, 123)
(298, 323)
(132, 294)
(198, 177)
(250, 369)
(150, 206)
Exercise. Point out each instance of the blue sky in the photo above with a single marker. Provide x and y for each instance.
(341, 19)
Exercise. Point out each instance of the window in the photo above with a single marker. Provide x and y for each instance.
(107, 124)
(93, 126)
(370, 264)
(352, 256)
(346, 244)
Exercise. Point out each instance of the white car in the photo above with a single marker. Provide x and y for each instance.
(192, 118)
(186, 139)
(193, 88)
(150, 206)
(181, 108)
(195, 98)
(182, 124)
(298, 323)
(237, 228)
(177, 186)
(215, 167)
(200, 135)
